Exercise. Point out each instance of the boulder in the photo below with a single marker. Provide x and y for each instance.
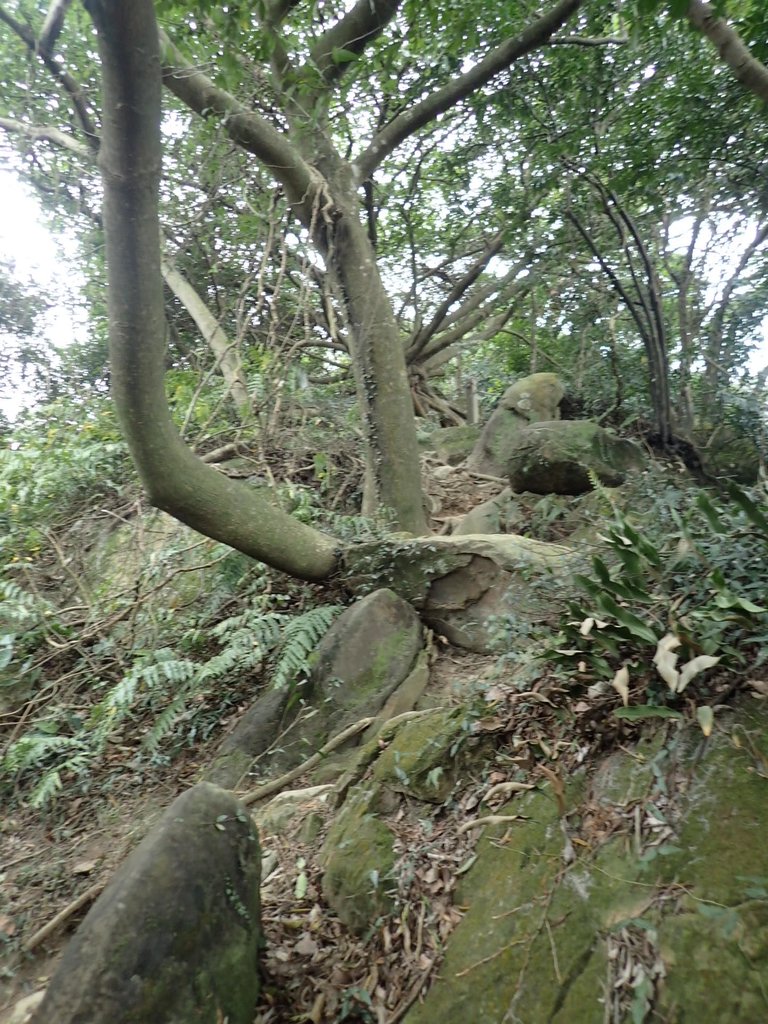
(501, 514)
(650, 892)
(364, 657)
(421, 762)
(529, 400)
(732, 457)
(557, 457)
(175, 937)
(473, 589)
(454, 444)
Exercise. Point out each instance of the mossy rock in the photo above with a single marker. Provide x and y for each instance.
(558, 457)
(547, 896)
(421, 761)
(736, 458)
(176, 935)
(501, 514)
(463, 585)
(528, 400)
(454, 444)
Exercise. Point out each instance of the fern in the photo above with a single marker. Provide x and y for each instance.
(51, 782)
(301, 635)
(32, 751)
(144, 680)
(163, 685)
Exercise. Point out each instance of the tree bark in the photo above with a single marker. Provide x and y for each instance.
(733, 51)
(227, 359)
(130, 161)
(393, 479)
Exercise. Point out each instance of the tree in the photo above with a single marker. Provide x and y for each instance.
(747, 68)
(297, 147)
(413, 145)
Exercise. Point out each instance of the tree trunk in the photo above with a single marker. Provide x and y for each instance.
(130, 160)
(393, 471)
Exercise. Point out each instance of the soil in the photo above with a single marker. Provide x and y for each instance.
(58, 859)
(53, 859)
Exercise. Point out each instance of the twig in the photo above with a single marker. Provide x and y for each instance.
(489, 819)
(486, 476)
(410, 999)
(71, 908)
(276, 784)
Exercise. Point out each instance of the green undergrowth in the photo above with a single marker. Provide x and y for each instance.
(676, 593)
(125, 638)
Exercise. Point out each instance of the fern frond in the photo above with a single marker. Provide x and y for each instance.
(300, 637)
(51, 782)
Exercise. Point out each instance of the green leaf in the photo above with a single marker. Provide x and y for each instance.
(628, 620)
(708, 509)
(301, 886)
(6, 651)
(748, 507)
(678, 8)
(341, 56)
(639, 712)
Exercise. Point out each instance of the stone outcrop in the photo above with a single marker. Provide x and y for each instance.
(175, 936)
(529, 400)
(454, 444)
(364, 657)
(557, 457)
(464, 587)
(501, 514)
(358, 855)
(651, 892)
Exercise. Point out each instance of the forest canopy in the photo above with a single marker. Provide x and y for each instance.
(368, 207)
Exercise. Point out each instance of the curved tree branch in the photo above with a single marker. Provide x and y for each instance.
(359, 27)
(304, 186)
(227, 358)
(130, 161)
(734, 52)
(456, 292)
(53, 24)
(421, 114)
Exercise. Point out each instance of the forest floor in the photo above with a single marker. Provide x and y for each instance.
(54, 863)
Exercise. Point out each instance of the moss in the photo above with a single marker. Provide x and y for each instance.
(358, 859)
(717, 965)
(421, 759)
(453, 444)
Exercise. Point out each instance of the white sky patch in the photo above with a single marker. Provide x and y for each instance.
(719, 248)
(41, 260)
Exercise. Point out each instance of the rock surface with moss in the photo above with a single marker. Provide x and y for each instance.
(176, 935)
(420, 762)
(647, 888)
(528, 400)
(557, 457)
(462, 585)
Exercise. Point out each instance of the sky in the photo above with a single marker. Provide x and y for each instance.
(41, 258)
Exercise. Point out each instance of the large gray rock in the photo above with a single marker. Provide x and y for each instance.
(421, 762)
(175, 937)
(362, 659)
(466, 587)
(454, 444)
(500, 514)
(557, 457)
(251, 737)
(651, 893)
(529, 400)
